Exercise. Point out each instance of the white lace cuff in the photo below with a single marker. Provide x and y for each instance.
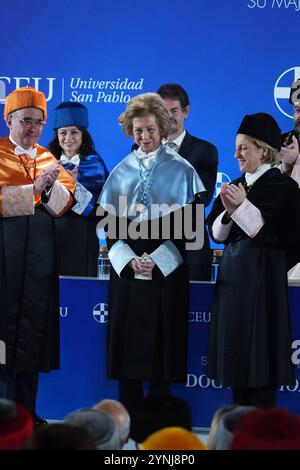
(83, 197)
(17, 200)
(59, 198)
(167, 257)
(249, 218)
(120, 254)
(294, 273)
(221, 231)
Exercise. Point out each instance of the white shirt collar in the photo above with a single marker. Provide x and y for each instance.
(252, 177)
(178, 140)
(139, 153)
(19, 150)
(75, 160)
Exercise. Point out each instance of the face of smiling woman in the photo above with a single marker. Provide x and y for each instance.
(70, 140)
(248, 155)
(146, 133)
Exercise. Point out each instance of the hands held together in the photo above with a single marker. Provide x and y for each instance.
(232, 196)
(142, 265)
(47, 178)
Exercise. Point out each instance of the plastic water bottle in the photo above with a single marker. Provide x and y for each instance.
(217, 255)
(103, 263)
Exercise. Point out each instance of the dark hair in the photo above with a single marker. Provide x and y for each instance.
(60, 437)
(175, 91)
(87, 147)
(159, 411)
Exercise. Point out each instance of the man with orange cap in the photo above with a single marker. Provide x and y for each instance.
(33, 190)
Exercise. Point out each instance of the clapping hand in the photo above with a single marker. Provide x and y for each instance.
(289, 154)
(47, 178)
(232, 196)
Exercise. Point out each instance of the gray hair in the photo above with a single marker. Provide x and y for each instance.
(119, 414)
(101, 427)
(227, 424)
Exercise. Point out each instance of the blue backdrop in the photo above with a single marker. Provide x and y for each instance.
(233, 57)
(81, 380)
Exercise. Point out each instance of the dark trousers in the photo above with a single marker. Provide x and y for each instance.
(260, 397)
(131, 392)
(21, 388)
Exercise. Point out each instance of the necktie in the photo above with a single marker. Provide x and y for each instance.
(30, 152)
(171, 145)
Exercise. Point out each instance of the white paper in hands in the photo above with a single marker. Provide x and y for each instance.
(145, 265)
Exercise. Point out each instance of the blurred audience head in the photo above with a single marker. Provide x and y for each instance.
(227, 423)
(159, 411)
(101, 427)
(120, 416)
(212, 437)
(173, 438)
(60, 437)
(16, 425)
(267, 429)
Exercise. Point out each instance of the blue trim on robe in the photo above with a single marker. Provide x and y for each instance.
(92, 173)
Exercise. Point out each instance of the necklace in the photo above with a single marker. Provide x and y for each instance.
(25, 166)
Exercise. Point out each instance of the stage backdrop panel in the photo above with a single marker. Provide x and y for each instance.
(81, 380)
(233, 57)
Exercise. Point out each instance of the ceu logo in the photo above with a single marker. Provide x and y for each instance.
(8, 84)
(221, 178)
(199, 317)
(63, 311)
(100, 313)
(282, 90)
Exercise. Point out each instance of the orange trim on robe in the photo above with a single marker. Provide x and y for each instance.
(13, 173)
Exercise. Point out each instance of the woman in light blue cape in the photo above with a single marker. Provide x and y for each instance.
(148, 306)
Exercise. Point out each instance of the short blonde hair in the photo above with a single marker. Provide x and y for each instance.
(272, 155)
(173, 438)
(143, 105)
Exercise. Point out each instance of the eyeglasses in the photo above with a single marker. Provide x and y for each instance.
(27, 123)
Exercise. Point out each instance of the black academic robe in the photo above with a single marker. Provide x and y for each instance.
(29, 320)
(148, 320)
(250, 334)
(77, 243)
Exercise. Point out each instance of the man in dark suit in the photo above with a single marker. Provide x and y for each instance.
(289, 154)
(202, 155)
(290, 164)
